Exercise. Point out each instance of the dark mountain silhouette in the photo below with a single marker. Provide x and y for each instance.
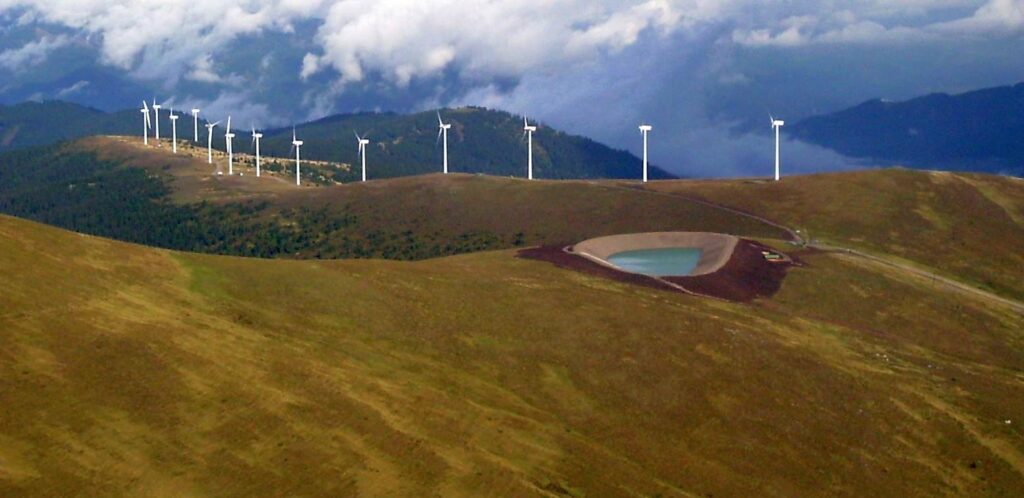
(977, 131)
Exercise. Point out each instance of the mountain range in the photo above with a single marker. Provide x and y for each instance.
(480, 140)
(975, 131)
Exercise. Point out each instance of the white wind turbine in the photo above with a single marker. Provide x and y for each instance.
(528, 133)
(645, 129)
(256, 140)
(195, 124)
(362, 151)
(443, 130)
(297, 144)
(777, 125)
(209, 141)
(156, 112)
(228, 139)
(174, 131)
(145, 122)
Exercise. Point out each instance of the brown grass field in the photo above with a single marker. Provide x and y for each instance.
(126, 370)
(965, 226)
(134, 371)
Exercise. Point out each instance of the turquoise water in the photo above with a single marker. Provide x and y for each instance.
(658, 262)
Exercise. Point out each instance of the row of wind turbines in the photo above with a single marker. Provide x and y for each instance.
(528, 131)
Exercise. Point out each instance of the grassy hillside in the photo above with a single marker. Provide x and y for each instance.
(130, 370)
(116, 188)
(967, 226)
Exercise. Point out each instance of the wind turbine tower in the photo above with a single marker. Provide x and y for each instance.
(297, 144)
(256, 140)
(528, 133)
(645, 129)
(444, 127)
(209, 141)
(195, 125)
(156, 112)
(174, 131)
(362, 151)
(228, 139)
(145, 123)
(777, 124)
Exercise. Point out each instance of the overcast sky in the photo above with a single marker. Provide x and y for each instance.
(705, 73)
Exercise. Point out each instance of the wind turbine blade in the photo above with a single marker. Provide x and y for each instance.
(439, 121)
(439, 132)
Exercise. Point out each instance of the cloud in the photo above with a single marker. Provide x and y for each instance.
(202, 70)
(480, 40)
(882, 23)
(477, 41)
(73, 89)
(32, 53)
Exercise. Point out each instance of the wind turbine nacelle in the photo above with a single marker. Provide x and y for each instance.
(257, 135)
(174, 117)
(229, 135)
(530, 128)
(646, 128)
(778, 122)
(297, 143)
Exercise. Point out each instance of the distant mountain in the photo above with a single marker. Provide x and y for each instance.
(975, 131)
(480, 141)
(41, 123)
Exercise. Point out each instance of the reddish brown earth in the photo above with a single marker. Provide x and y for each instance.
(747, 275)
(562, 259)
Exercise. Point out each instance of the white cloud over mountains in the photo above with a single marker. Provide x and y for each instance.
(559, 60)
(478, 40)
(32, 53)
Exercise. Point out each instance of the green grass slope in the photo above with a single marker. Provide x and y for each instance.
(117, 188)
(967, 226)
(131, 370)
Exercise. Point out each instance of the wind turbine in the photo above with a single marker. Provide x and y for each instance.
(209, 141)
(228, 136)
(645, 129)
(174, 131)
(362, 151)
(256, 140)
(443, 130)
(195, 124)
(156, 112)
(777, 124)
(528, 133)
(145, 123)
(297, 144)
